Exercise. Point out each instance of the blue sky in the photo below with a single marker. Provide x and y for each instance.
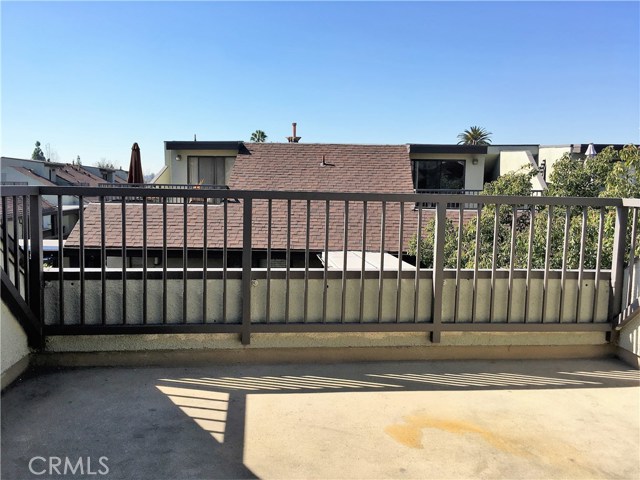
(91, 78)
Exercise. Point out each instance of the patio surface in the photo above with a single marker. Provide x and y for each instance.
(444, 419)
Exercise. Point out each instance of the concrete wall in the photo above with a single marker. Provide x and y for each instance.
(14, 352)
(551, 155)
(315, 298)
(629, 336)
(518, 161)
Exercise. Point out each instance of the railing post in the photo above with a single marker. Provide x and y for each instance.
(438, 269)
(246, 271)
(617, 264)
(35, 258)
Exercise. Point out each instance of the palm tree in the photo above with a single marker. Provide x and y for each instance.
(258, 136)
(475, 136)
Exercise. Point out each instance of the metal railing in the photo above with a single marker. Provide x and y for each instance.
(142, 264)
(168, 186)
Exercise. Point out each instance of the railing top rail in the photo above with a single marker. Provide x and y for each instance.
(178, 186)
(631, 202)
(306, 195)
(15, 190)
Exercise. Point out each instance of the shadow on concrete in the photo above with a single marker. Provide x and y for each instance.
(165, 423)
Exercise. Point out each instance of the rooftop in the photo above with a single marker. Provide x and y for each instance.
(448, 419)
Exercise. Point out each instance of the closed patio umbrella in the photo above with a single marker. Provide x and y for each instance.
(591, 151)
(135, 167)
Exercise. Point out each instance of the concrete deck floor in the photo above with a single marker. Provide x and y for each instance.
(445, 419)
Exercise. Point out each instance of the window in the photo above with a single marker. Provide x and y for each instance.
(206, 170)
(438, 174)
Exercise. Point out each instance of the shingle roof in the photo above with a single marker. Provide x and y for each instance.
(282, 167)
(47, 207)
(195, 223)
(76, 175)
(297, 167)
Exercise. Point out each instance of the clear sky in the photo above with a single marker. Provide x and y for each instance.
(91, 78)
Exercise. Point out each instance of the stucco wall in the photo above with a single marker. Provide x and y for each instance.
(629, 337)
(516, 161)
(178, 168)
(334, 298)
(14, 351)
(551, 155)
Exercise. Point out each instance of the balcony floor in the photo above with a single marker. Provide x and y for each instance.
(446, 419)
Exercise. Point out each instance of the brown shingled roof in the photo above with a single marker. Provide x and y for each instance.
(195, 222)
(297, 167)
(76, 175)
(47, 207)
(282, 167)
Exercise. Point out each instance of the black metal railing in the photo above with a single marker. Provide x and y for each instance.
(168, 186)
(319, 261)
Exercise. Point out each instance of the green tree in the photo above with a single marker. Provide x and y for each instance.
(37, 154)
(609, 174)
(475, 136)
(258, 136)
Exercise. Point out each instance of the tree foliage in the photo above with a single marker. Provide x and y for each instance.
(259, 136)
(541, 233)
(475, 136)
(104, 163)
(37, 154)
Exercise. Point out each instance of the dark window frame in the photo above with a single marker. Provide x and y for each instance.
(416, 166)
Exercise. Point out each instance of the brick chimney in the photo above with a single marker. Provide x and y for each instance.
(293, 138)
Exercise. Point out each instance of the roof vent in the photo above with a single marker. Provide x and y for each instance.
(294, 138)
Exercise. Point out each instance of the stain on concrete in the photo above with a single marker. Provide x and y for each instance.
(561, 458)
(410, 433)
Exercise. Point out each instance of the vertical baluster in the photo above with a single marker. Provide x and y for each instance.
(326, 261)
(583, 238)
(547, 265)
(103, 262)
(345, 249)
(145, 265)
(16, 245)
(27, 246)
(269, 233)
(382, 254)
(5, 236)
(527, 292)
(82, 260)
(363, 260)
(565, 260)
(225, 260)
(185, 258)
(456, 306)
(400, 253)
(205, 256)
(632, 256)
(288, 266)
(124, 261)
(306, 263)
(61, 261)
(416, 296)
(512, 261)
(494, 262)
(596, 280)
(247, 253)
(476, 261)
(165, 259)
